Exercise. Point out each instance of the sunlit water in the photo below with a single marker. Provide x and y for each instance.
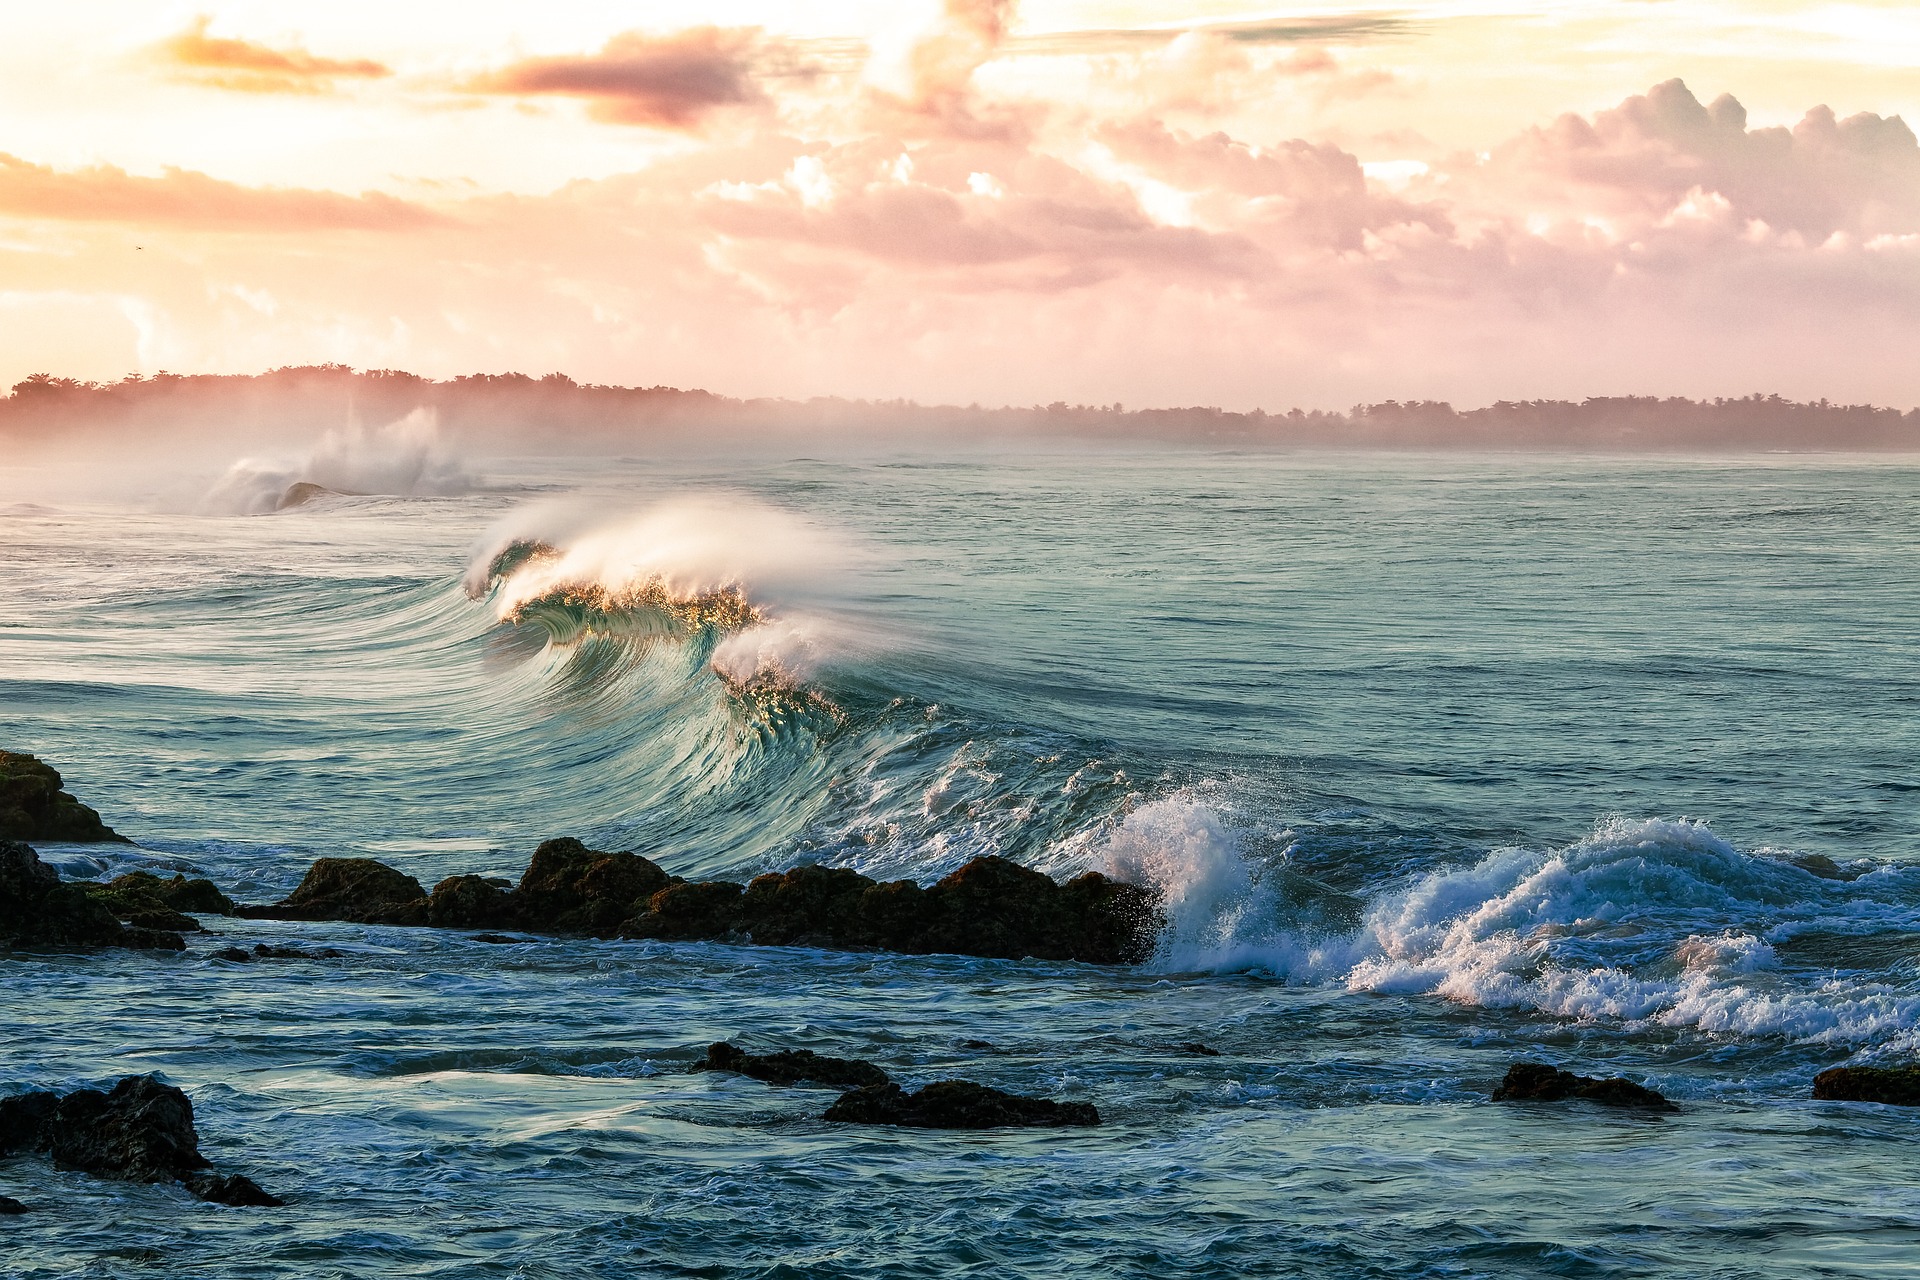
(1440, 764)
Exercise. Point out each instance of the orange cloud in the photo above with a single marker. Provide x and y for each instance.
(184, 198)
(246, 67)
(663, 82)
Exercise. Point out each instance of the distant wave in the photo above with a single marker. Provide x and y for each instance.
(406, 458)
(1652, 921)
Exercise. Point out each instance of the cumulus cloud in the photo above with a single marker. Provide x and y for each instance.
(241, 65)
(183, 198)
(674, 81)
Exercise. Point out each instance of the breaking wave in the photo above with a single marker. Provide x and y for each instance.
(406, 458)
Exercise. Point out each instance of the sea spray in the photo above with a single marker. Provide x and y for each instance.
(408, 457)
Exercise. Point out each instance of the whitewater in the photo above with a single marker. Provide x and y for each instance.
(1435, 764)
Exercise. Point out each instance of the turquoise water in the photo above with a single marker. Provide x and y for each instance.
(1440, 763)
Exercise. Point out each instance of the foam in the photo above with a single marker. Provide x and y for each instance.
(405, 458)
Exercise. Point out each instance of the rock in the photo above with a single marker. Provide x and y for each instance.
(1897, 1086)
(1538, 1082)
(469, 902)
(8, 1206)
(38, 909)
(34, 807)
(140, 1131)
(686, 912)
(993, 907)
(793, 1066)
(359, 890)
(978, 1046)
(1197, 1049)
(495, 938)
(810, 904)
(141, 897)
(569, 888)
(232, 1188)
(957, 1104)
(233, 955)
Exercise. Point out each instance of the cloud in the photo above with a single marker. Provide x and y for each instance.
(246, 67)
(182, 198)
(672, 81)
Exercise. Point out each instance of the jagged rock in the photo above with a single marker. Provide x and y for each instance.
(1538, 1082)
(469, 902)
(569, 888)
(957, 1104)
(810, 904)
(9, 1206)
(687, 912)
(993, 907)
(359, 890)
(34, 807)
(144, 899)
(234, 1189)
(792, 1066)
(1897, 1086)
(38, 909)
(141, 1131)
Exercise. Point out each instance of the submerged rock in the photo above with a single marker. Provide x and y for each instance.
(141, 1131)
(792, 1066)
(359, 890)
(957, 1104)
(34, 807)
(38, 909)
(1896, 1086)
(1538, 1082)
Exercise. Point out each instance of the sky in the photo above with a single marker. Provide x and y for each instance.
(974, 201)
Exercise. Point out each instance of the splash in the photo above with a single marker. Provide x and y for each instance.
(405, 458)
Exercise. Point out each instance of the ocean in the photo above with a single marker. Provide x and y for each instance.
(1438, 764)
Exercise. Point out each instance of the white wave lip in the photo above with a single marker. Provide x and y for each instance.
(1657, 922)
(407, 458)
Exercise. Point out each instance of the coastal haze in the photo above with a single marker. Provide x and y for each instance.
(1425, 497)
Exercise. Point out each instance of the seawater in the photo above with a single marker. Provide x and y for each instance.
(1439, 764)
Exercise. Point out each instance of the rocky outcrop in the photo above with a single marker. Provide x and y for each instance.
(33, 805)
(145, 900)
(359, 890)
(989, 907)
(957, 1104)
(141, 1131)
(793, 1066)
(38, 909)
(1538, 1082)
(1897, 1086)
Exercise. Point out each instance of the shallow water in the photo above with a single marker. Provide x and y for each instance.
(1441, 764)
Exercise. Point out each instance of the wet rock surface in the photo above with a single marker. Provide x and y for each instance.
(957, 1104)
(34, 805)
(1895, 1086)
(38, 909)
(989, 907)
(144, 899)
(1538, 1082)
(140, 1131)
(793, 1066)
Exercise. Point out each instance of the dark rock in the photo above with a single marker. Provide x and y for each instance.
(141, 896)
(355, 889)
(495, 938)
(266, 952)
(1898, 1086)
(38, 909)
(569, 888)
(793, 1066)
(807, 905)
(33, 806)
(1197, 1049)
(978, 1046)
(9, 1206)
(993, 907)
(232, 1188)
(957, 1104)
(469, 902)
(233, 955)
(140, 1131)
(1538, 1082)
(686, 912)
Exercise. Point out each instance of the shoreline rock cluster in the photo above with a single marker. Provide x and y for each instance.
(1538, 1082)
(990, 907)
(34, 805)
(39, 909)
(141, 1131)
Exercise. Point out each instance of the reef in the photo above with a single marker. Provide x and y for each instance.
(793, 1066)
(39, 910)
(1538, 1082)
(957, 1104)
(990, 907)
(141, 1131)
(1896, 1086)
(33, 806)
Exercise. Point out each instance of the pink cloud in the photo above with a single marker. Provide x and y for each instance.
(664, 82)
(256, 68)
